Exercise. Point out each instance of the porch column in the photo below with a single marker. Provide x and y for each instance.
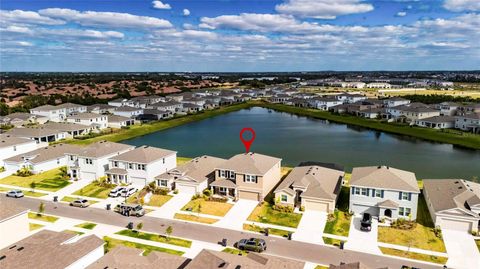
(235, 192)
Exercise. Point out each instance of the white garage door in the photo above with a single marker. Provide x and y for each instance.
(318, 206)
(186, 188)
(455, 225)
(87, 176)
(137, 181)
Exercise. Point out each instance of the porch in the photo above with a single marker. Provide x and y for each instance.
(117, 176)
(224, 187)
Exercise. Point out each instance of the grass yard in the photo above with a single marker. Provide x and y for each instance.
(195, 218)
(110, 243)
(73, 232)
(34, 226)
(157, 238)
(266, 214)
(94, 190)
(321, 267)
(50, 180)
(235, 251)
(208, 207)
(86, 225)
(422, 236)
(42, 217)
(412, 255)
(183, 160)
(71, 199)
(26, 193)
(155, 200)
(331, 241)
(340, 225)
(258, 229)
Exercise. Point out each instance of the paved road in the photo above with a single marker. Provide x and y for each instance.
(276, 246)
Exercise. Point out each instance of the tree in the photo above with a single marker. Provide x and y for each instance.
(41, 209)
(139, 226)
(169, 231)
(33, 185)
(199, 209)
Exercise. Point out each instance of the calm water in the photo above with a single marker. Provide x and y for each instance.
(296, 139)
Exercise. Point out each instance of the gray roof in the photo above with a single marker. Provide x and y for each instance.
(65, 126)
(127, 109)
(226, 183)
(384, 177)
(318, 182)
(143, 154)
(69, 105)
(32, 132)
(197, 170)
(475, 116)
(387, 203)
(48, 249)
(47, 108)
(118, 171)
(20, 115)
(9, 208)
(438, 119)
(116, 118)
(8, 140)
(250, 163)
(45, 154)
(85, 116)
(103, 148)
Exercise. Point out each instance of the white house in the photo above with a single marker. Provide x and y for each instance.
(91, 162)
(448, 108)
(437, 122)
(413, 112)
(127, 111)
(73, 108)
(141, 165)
(40, 134)
(379, 85)
(348, 98)
(53, 113)
(384, 192)
(323, 103)
(115, 121)
(468, 122)
(11, 146)
(395, 101)
(95, 120)
(172, 106)
(118, 102)
(14, 223)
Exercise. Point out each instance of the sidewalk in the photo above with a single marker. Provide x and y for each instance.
(273, 226)
(24, 189)
(416, 250)
(76, 185)
(171, 207)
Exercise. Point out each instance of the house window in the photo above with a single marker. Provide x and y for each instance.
(115, 164)
(378, 193)
(284, 198)
(58, 161)
(142, 167)
(88, 161)
(250, 178)
(357, 191)
(222, 173)
(231, 175)
(405, 196)
(404, 211)
(14, 148)
(364, 191)
(130, 165)
(163, 160)
(163, 183)
(71, 158)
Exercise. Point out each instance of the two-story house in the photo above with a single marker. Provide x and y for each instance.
(468, 122)
(95, 120)
(395, 101)
(247, 176)
(141, 165)
(71, 108)
(127, 111)
(384, 192)
(53, 113)
(323, 103)
(91, 162)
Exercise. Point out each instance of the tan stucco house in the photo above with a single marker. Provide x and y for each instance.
(247, 176)
(311, 187)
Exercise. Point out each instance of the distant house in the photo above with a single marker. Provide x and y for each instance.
(127, 111)
(52, 113)
(101, 109)
(384, 192)
(448, 108)
(192, 108)
(437, 122)
(348, 98)
(171, 106)
(115, 121)
(40, 134)
(468, 122)
(323, 103)
(20, 119)
(154, 114)
(395, 101)
(453, 203)
(247, 176)
(14, 223)
(413, 112)
(73, 108)
(72, 129)
(11, 146)
(379, 85)
(311, 187)
(97, 121)
(119, 102)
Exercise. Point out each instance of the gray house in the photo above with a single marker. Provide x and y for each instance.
(384, 192)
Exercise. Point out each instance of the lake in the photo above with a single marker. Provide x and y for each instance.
(296, 139)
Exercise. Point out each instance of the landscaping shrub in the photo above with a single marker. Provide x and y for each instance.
(217, 199)
(403, 224)
(2, 169)
(24, 172)
(103, 183)
(63, 172)
(197, 196)
(161, 191)
(175, 191)
(438, 232)
(331, 217)
(207, 192)
(283, 208)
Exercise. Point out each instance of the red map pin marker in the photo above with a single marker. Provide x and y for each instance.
(247, 143)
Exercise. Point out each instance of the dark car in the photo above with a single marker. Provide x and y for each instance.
(366, 222)
(252, 244)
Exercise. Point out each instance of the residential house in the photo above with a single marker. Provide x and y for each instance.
(437, 122)
(247, 176)
(14, 223)
(412, 112)
(349, 98)
(279, 98)
(39, 134)
(151, 114)
(384, 192)
(127, 111)
(115, 121)
(141, 165)
(191, 177)
(72, 129)
(53, 250)
(353, 265)
(379, 85)
(97, 121)
(191, 108)
(311, 187)
(468, 122)
(101, 109)
(469, 108)
(91, 162)
(12, 145)
(73, 108)
(171, 106)
(323, 103)
(52, 113)
(448, 108)
(395, 101)
(194, 101)
(120, 102)
(453, 203)
(21, 119)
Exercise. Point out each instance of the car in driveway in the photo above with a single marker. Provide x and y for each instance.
(116, 192)
(15, 194)
(366, 222)
(252, 244)
(129, 209)
(80, 203)
(126, 192)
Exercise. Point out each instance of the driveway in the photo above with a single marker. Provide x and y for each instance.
(461, 248)
(171, 207)
(363, 241)
(311, 226)
(237, 215)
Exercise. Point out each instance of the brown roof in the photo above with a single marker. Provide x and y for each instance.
(387, 203)
(116, 118)
(384, 177)
(33, 132)
(143, 154)
(8, 140)
(250, 163)
(209, 259)
(223, 183)
(9, 209)
(196, 170)
(45, 154)
(353, 265)
(48, 249)
(118, 171)
(65, 126)
(103, 148)
(131, 258)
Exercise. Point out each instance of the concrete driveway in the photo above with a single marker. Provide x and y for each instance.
(311, 226)
(461, 248)
(363, 241)
(237, 215)
(171, 207)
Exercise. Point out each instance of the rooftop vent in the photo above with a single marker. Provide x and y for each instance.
(14, 246)
(456, 182)
(20, 248)
(222, 265)
(460, 187)
(378, 167)
(2, 257)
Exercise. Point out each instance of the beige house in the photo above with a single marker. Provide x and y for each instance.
(453, 203)
(14, 224)
(311, 187)
(247, 176)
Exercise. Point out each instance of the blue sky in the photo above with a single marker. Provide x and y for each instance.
(239, 35)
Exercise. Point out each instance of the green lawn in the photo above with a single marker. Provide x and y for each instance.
(86, 225)
(183, 160)
(26, 193)
(266, 214)
(155, 200)
(94, 190)
(195, 218)
(34, 226)
(110, 243)
(73, 232)
(422, 236)
(42, 217)
(321, 267)
(71, 199)
(208, 207)
(331, 241)
(50, 180)
(340, 224)
(258, 229)
(157, 238)
(413, 255)
(235, 251)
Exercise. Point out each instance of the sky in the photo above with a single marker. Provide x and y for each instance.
(239, 35)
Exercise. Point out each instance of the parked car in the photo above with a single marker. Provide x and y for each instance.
(130, 209)
(252, 244)
(15, 194)
(80, 203)
(366, 222)
(126, 192)
(116, 192)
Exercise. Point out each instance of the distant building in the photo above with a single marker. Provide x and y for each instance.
(379, 85)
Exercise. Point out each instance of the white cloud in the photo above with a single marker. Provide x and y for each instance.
(323, 9)
(186, 12)
(16, 29)
(105, 19)
(160, 5)
(27, 17)
(401, 14)
(462, 5)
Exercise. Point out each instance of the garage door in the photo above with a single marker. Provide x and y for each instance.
(455, 225)
(87, 176)
(139, 182)
(185, 188)
(248, 195)
(318, 206)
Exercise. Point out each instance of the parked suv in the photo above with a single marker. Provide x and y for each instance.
(252, 244)
(80, 203)
(116, 192)
(15, 194)
(126, 192)
(130, 210)
(366, 222)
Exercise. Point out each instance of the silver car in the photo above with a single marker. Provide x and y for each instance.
(80, 203)
(15, 194)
